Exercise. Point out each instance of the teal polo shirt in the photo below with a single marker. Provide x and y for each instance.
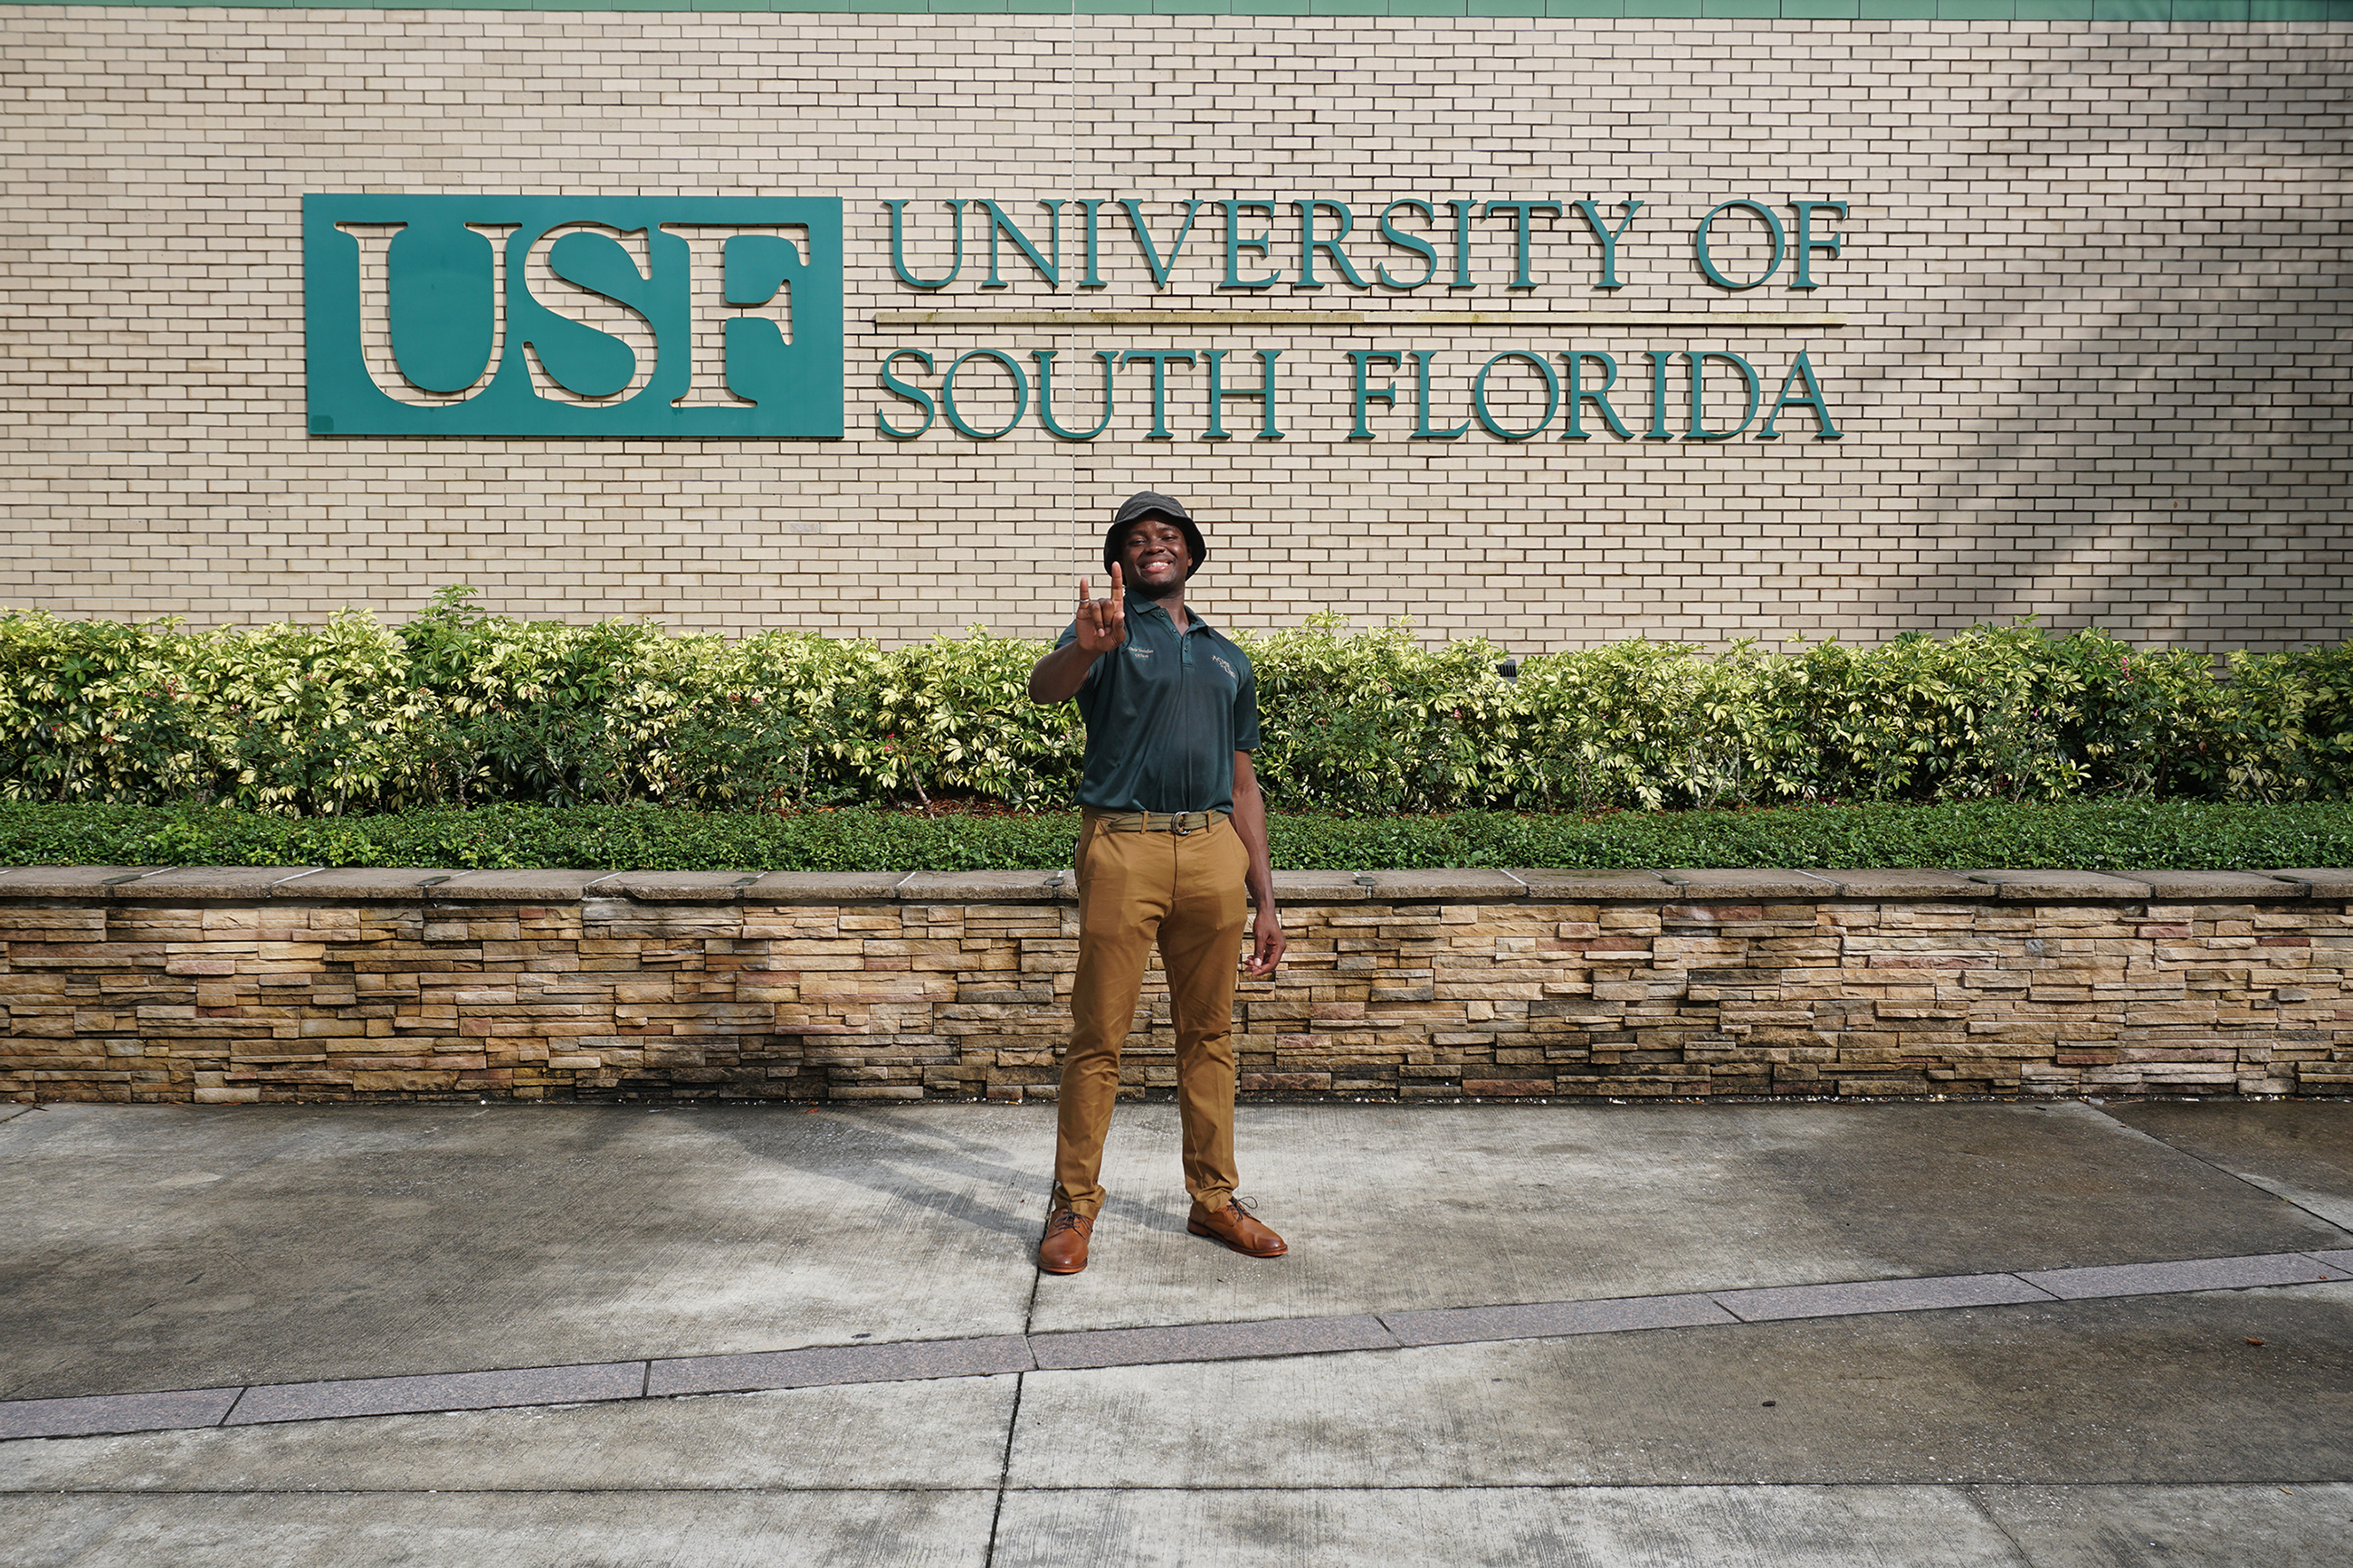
(1166, 713)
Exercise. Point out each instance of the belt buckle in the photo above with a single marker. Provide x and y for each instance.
(1181, 829)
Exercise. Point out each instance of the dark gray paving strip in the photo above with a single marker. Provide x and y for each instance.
(1552, 1320)
(1879, 1296)
(438, 1391)
(115, 1413)
(896, 1363)
(2170, 1279)
(1208, 1342)
(903, 1360)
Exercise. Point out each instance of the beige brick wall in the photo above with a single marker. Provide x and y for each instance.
(2093, 363)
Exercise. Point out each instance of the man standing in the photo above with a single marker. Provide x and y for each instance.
(1173, 831)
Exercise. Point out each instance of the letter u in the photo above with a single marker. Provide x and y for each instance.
(898, 256)
(1045, 358)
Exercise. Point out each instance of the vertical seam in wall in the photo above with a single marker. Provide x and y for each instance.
(1069, 320)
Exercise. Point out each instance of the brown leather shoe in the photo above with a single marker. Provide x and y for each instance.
(1064, 1249)
(1233, 1226)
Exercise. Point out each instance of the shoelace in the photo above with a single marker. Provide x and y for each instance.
(1063, 1219)
(1241, 1208)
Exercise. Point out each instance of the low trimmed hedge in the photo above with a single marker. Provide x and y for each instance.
(457, 710)
(2121, 835)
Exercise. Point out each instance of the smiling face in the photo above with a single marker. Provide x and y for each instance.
(1154, 558)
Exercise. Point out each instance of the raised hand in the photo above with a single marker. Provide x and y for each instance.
(1103, 623)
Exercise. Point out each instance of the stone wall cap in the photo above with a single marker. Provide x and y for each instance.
(823, 887)
(980, 888)
(1903, 882)
(1750, 882)
(208, 882)
(386, 883)
(69, 882)
(1587, 886)
(1460, 886)
(516, 887)
(1321, 887)
(2321, 882)
(2040, 887)
(679, 887)
(2234, 885)
(226, 883)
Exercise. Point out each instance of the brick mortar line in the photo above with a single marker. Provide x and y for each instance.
(2333, 1275)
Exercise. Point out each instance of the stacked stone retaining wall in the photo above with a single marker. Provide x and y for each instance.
(295, 984)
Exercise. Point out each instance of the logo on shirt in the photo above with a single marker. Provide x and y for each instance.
(1220, 661)
(1135, 652)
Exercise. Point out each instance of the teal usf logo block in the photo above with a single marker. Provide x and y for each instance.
(698, 318)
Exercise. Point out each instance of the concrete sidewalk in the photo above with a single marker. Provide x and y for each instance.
(1998, 1371)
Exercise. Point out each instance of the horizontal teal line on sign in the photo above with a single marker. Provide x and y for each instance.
(1298, 321)
(1636, 10)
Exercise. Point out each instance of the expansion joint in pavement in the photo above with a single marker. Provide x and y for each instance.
(2273, 1190)
(1012, 1425)
(1082, 1350)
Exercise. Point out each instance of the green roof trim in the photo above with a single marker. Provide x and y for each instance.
(2167, 11)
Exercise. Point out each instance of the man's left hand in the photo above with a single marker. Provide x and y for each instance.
(1267, 946)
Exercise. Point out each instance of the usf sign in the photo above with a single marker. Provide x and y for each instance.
(679, 318)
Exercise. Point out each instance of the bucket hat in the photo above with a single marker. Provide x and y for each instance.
(1152, 503)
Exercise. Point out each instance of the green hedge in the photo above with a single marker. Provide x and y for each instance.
(458, 709)
(2117, 836)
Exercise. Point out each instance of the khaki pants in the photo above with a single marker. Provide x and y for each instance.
(1185, 892)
